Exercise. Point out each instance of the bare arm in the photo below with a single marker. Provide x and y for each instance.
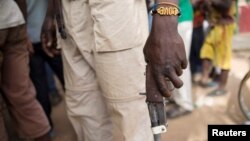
(50, 11)
(165, 55)
(48, 34)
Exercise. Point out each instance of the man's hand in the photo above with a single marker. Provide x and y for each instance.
(165, 56)
(48, 37)
(48, 33)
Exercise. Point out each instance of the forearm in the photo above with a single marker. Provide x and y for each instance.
(50, 11)
(164, 53)
(23, 7)
(169, 22)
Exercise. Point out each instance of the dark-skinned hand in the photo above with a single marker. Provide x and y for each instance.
(165, 56)
(48, 37)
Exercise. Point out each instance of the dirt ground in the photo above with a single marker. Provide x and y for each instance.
(192, 127)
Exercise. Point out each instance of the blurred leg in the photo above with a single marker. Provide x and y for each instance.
(3, 134)
(56, 65)
(39, 78)
(197, 42)
(120, 65)
(55, 97)
(17, 87)
(223, 79)
(121, 77)
(85, 105)
(206, 68)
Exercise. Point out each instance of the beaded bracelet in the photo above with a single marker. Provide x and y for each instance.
(171, 10)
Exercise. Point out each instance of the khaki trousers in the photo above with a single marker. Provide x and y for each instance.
(104, 69)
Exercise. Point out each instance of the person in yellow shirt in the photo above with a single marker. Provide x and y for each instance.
(216, 50)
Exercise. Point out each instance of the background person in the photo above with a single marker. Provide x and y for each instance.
(217, 48)
(15, 83)
(36, 11)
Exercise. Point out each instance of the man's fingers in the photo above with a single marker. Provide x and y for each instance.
(45, 47)
(178, 70)
(55, 51)
(184, 64)
(173, 77)
(49, 44)
(49, 40)
(162, 84)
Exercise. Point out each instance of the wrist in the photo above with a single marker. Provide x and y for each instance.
(168, 20)
(50, 11)
(164, 23)
(163, 28)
